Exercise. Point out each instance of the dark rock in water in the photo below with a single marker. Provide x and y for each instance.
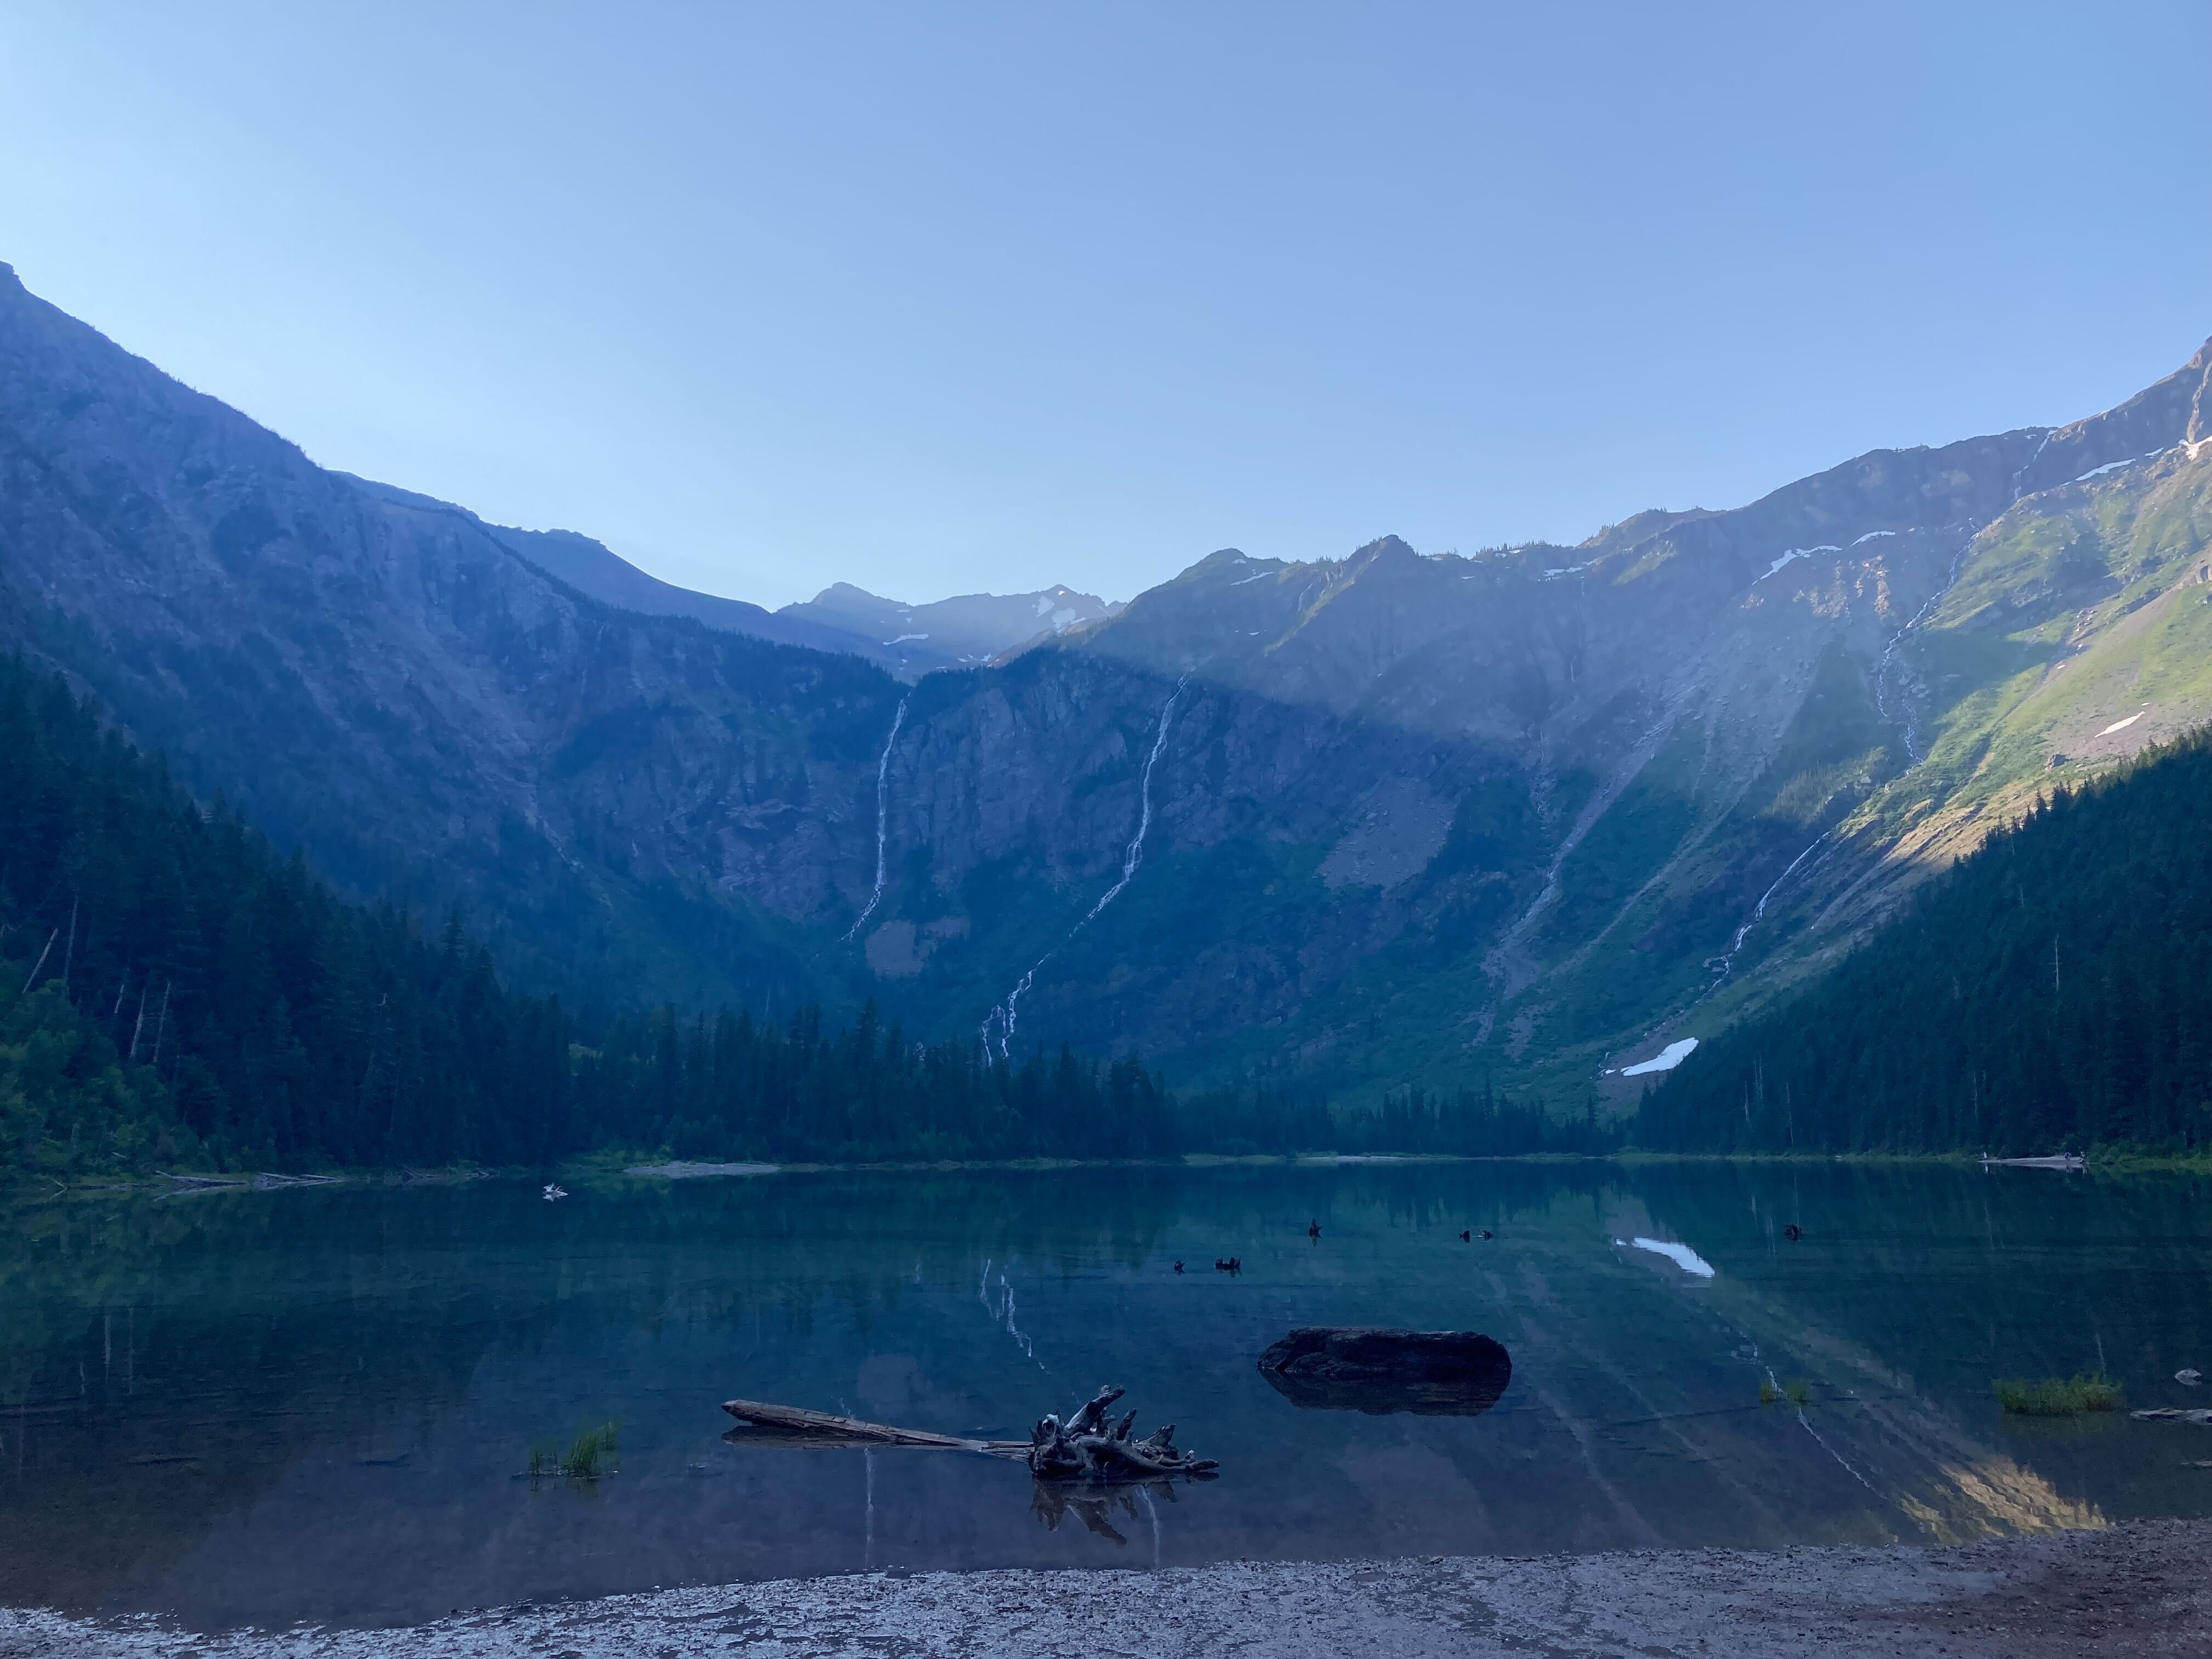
(1363, 1369)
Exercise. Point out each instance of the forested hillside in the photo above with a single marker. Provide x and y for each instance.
(171, 988)
(2054, 989)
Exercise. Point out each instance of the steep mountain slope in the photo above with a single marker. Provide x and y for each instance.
(956, 633)
(1366, 821)
(1692, 703)
(2054, 988)
(171, 987)
(639, 800)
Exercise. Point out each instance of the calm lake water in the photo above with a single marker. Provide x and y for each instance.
(259, 1407)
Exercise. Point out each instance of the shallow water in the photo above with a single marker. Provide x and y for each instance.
(260, 1407)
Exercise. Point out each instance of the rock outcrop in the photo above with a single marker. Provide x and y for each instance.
(1369, 1369)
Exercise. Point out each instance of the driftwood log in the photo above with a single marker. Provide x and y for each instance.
(1085, 1449)
(795, 1426)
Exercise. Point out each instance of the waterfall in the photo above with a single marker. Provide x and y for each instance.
(1003, 1014)
(1881, 668)
(1136, 853)
(883, 812)
(1727, 960)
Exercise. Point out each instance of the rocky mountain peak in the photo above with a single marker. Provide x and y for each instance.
(962, 632)
(1384, 551)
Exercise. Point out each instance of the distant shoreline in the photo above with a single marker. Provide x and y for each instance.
(2135, 1590)
(2115, 1162)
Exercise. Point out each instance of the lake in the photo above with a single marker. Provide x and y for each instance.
(318, 1404)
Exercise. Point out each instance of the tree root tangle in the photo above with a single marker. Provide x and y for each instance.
(1085, 1448)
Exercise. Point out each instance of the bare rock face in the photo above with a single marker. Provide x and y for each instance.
(1369, 1369)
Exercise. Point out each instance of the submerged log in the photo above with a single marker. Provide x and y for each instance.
(1363, 1368)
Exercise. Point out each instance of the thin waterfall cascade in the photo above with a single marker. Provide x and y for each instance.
(1003, 1015)
(2020, 478)
(883, 818)
(1726, 961)
(1135, 855)
(1882, 664)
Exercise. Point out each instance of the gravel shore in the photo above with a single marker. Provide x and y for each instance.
(2139, 1589)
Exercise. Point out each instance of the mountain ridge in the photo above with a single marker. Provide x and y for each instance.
(967, 631)
(596, 571)
(1395, 817)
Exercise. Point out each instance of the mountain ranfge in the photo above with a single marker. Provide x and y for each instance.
(964, 632)
(1415, 818)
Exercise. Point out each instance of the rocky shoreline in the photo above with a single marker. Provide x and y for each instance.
(2139, 1589)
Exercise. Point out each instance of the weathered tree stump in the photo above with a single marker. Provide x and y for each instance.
(1085, 1448)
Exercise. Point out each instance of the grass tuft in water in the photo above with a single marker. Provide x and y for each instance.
(1768, 1394)
(1797, 1393)
(589, 1456)
(2058, 1396)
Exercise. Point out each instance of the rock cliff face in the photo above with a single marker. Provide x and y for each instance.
(1366, 821)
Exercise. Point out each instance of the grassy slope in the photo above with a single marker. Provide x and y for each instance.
(2084, 605)
(2078, 608)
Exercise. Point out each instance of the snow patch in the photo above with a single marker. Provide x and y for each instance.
(1680, 1254)
(1044, 604)
(903, 638)
(2114, 467)
(1872, 534)
(1665, 1060)
(1261, 577)
(2121, 725)
(1793, 554)
(1062, 617)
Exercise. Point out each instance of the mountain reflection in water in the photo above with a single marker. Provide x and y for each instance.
(270, 1406)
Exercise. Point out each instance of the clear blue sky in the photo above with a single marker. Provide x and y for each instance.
(936, 298)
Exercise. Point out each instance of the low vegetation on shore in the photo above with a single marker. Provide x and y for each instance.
(2058, 1396)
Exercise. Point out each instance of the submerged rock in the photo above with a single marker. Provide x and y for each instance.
(1365, 1369)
